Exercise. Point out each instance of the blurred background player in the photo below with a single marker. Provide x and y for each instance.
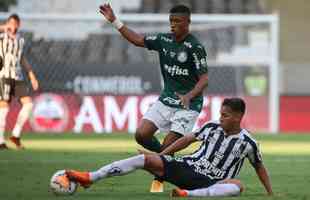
(210, 171)
(184, 71)
(12, 83)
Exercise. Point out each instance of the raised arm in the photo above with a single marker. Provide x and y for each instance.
(130, 35)
(180, 144)
(264, 178)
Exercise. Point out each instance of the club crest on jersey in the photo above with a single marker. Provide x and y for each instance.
(182, 56)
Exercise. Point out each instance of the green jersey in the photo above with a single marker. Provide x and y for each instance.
(181, 64)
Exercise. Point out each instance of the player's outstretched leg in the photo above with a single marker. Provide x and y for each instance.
(117, 168)
(83, 178)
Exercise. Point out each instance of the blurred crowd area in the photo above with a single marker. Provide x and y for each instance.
(57, 47)
(136, 6)
(96, 42)
(206, 6)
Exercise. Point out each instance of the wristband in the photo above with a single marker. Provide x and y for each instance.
(117, 24)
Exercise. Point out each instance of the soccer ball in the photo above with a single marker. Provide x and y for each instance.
(61, 185)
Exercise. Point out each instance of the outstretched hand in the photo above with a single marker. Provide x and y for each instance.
(107, 11)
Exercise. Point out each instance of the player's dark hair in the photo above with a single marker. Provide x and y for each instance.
(15, 17)
(180, 9)
(236, 104)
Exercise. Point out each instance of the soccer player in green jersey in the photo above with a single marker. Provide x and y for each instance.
(184, 70)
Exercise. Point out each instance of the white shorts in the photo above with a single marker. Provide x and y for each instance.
(171, 119)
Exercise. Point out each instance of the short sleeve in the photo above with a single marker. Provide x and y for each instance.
(254, 155)
(204, 131)
(200, 59)
(152, 42)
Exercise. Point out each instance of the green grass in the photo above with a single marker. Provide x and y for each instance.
(25, 174)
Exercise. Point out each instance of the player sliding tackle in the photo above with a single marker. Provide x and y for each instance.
(208, 172)
(184, 70)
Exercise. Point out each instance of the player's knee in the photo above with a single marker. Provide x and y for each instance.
(28, 105)
(147, 161)
(154, 164)
(150, 161)
(140, 137)
(26, 100)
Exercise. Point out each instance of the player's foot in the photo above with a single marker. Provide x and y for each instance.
(157, 186)
(177, 192)
(3, 147)
(64, 180)
(17, 142)
(83, 178)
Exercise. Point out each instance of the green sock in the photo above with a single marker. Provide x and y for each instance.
(152, 145)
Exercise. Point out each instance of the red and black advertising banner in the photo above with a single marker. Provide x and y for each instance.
(54, 113)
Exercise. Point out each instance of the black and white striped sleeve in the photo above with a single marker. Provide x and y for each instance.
(204, 131)
(254, 155)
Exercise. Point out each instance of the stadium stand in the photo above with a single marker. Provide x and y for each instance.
(107, 48)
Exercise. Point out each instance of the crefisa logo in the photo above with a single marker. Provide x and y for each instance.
(50, 113)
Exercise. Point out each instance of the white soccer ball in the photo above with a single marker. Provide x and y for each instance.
(61, 185)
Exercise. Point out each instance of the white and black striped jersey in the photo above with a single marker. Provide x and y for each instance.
(221, 156)
(11, 52)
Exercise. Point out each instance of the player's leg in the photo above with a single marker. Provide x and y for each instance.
(156, 117)
(230, 187)
(149, 162)
(182, 123)
(21, 91)
(145, 136)
(157, 185)
(5, 94)
(170, 138)
(4, 109)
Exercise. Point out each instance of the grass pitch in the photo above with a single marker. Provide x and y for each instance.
(26, 174)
